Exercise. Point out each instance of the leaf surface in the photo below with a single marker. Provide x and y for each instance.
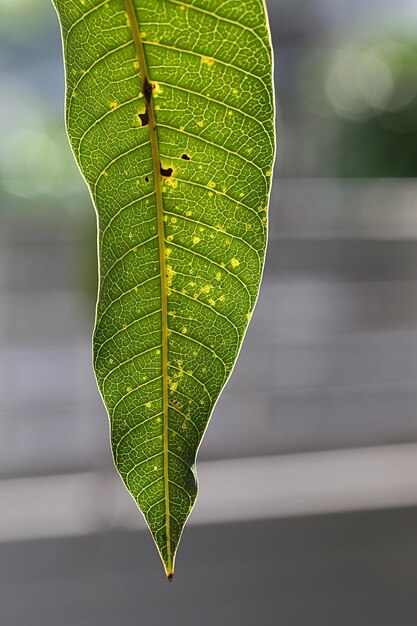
(170, 113)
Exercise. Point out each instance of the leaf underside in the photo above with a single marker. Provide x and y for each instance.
(170, 116)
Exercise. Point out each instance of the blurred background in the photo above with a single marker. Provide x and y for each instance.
(307, 512)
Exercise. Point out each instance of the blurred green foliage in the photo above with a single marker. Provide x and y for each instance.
(377, 134)
(360, 104)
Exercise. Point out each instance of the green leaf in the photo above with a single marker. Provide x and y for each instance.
(170, 116)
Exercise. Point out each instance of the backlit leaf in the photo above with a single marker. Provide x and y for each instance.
(170, 116)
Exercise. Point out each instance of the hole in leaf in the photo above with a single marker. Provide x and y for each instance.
(147, 179)
(166, 171)
(186, 157)
(144, 117)
(147, 89)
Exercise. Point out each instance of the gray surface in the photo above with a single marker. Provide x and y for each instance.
(340, 570)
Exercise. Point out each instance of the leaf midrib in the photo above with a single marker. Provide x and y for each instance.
(143, 69)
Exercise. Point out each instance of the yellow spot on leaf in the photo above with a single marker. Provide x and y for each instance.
(170, 273)
(157, 89)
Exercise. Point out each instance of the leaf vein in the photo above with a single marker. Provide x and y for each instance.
(201, 56)
(220, 102)
(123, 329)
(221, 18)
(202, 345)
(202, 256)
(124, 396)
(174, 367)
(129, 360)
(133, 249)
(135, 427)
(122, 295)
(216, 230)
(217, 146)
